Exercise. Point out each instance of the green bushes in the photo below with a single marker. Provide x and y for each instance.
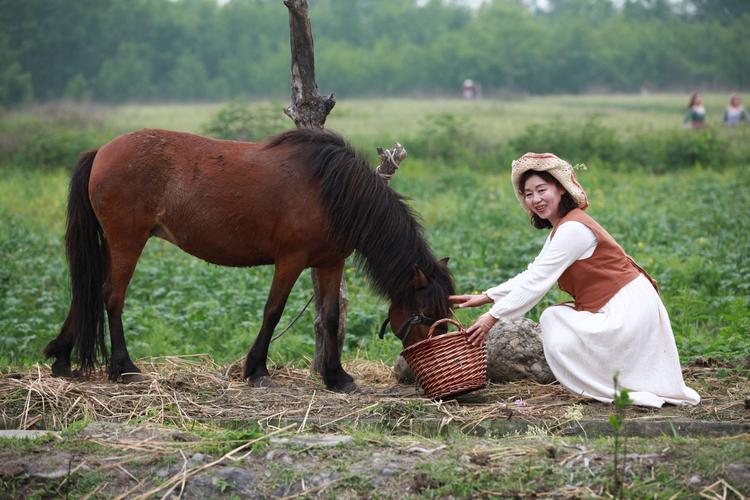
(445, 138)
(51, 136)
(242, 121)
(55, 147)
(589, 142)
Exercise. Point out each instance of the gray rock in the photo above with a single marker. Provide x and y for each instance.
(13, 468)
(403, 372)
(389, 470)
(114, 432)
(322, 440)
(21, 434)
(738, 475)
(222, 482)
(163, 472)
(196, 460)
(514, 352)
(60, 472)
(236, 476)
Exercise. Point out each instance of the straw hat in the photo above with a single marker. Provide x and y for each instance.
(558, 168)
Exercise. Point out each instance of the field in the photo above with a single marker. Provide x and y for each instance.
(685, 223)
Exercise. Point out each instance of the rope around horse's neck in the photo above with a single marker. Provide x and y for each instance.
(276, 337)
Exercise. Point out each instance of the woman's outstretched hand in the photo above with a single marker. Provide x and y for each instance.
(479, 330)
(470, 300)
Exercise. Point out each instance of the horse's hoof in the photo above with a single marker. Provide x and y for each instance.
(62, 371)
(262, 381)
(132, 377)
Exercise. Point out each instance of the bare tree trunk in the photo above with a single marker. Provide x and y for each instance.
(309, 110)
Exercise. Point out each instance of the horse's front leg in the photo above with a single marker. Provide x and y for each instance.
(334, 376)
(284, 276)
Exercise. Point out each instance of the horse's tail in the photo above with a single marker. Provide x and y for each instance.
(86, 251)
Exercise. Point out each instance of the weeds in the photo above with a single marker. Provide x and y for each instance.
(617, 422)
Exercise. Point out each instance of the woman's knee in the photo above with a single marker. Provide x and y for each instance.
(555, 338)
(549, 318)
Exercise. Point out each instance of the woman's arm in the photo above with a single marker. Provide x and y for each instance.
(572, 241)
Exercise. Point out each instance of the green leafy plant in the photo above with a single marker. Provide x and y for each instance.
(242, 121)
(617, 422)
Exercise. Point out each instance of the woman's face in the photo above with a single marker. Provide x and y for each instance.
(542, 198)
(697, 101)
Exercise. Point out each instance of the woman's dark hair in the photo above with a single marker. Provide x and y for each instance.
(567, 203)
(693, 98)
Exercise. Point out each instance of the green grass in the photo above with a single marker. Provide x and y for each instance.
(535, 472)
(393, 118)
(689, 228)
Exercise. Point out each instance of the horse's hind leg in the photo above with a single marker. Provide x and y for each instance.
(334, 375)
(284, 277)
(60, 348)
(122, 261)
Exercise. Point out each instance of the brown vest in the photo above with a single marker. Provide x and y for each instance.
(593, 281)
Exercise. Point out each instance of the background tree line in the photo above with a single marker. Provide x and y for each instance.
(115, 50)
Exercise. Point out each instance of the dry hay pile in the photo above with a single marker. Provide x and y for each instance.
(184, 389)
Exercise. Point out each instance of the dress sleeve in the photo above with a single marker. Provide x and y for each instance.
(516, 296)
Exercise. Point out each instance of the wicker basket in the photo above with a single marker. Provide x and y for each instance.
(447, 365)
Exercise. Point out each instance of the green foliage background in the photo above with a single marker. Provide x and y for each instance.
(683, 220)
(181, 50)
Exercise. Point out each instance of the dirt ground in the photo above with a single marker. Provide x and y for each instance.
(195, 429)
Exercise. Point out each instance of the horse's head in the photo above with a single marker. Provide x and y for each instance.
(424, 302)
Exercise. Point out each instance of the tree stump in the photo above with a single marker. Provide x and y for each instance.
(514, 352)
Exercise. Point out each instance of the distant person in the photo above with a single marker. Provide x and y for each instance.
(735, 113)
(696, 114)
(617, 321)
(469, 89)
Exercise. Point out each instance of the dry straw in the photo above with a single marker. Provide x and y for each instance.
(183, 390)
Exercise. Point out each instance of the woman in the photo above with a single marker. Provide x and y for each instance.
(735, 113)
(696, 113)
(617, 322)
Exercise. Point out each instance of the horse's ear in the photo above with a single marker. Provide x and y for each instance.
(420, 280)
(444, 262)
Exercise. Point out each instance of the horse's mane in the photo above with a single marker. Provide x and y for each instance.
(367, 214)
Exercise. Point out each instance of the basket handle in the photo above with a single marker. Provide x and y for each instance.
(443, 321)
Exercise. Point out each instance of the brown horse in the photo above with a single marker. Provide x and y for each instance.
(302, 199)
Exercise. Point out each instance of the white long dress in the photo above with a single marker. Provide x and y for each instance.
(630, 335)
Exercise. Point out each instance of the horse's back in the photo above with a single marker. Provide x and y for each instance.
(228, 202)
